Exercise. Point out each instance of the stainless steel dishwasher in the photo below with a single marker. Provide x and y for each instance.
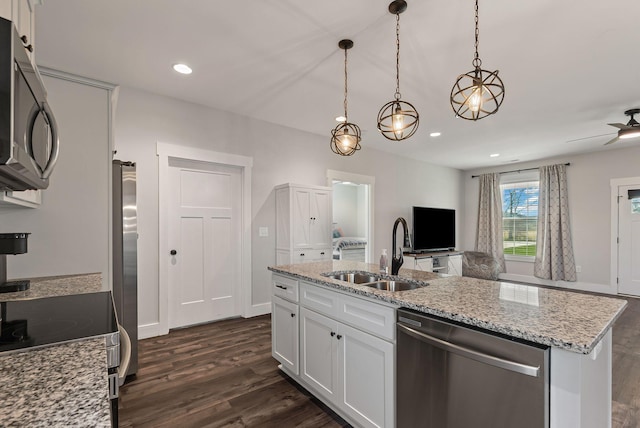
(454, 376)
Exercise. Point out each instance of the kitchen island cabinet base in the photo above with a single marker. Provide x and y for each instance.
(580, 391)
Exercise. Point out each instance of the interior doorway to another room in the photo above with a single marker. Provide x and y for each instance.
(352, 215)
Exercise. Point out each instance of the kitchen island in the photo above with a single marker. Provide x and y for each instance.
(52, 384)
(576, 326)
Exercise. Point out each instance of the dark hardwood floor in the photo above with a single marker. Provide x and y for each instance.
(217, 375)
(222, 375)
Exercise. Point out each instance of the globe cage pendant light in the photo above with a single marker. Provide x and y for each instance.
(345, 137)
(478, 93)
(397, 119)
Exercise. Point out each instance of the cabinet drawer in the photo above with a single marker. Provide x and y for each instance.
(311, 255)
(319, 299)
(284, 287)
(368, 316)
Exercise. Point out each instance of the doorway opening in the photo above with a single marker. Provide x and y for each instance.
(352, 215)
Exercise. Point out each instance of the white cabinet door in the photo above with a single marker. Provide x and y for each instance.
(5, 9)
(301, 218)
(284, 333)
(320, 213)
(455, 265)
(318, 353)
(366, 370)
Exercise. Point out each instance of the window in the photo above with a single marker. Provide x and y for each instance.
(520, 217)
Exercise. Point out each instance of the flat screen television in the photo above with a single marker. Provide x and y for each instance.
(434, 229)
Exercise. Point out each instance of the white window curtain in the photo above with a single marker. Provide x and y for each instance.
(489, 238)
(554, 249)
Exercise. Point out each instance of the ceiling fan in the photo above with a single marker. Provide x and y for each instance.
(630, 130)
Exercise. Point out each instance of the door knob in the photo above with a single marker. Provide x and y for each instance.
(173, 252)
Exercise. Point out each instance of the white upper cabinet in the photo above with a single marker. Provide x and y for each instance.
(21, 12)
(303, 223)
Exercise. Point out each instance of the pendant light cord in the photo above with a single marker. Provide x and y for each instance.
(397, 57)
(345, 86)
(477, 62)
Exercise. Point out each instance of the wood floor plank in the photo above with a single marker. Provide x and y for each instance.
(222, 375)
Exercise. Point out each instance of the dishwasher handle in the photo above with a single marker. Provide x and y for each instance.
(470, 353)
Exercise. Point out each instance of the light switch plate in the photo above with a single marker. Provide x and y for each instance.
(263, 232)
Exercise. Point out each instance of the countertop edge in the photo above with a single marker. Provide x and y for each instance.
(581, 348)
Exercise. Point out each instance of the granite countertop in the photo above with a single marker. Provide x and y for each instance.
(60, 385)
(563, 319)
(57, 286)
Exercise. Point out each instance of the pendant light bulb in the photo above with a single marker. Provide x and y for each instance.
(398, 120)
(347, 141)
(475, 100)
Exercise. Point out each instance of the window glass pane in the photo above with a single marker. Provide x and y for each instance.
(635, 206)
(520, 217)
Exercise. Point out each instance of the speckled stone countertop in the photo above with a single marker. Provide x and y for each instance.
(58, 386)
(563, 319)
(57, 286)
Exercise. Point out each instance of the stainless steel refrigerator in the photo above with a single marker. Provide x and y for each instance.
(125, 254)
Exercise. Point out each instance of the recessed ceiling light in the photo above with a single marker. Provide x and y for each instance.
(494, 155)
(341, 119)
(182, 68)
(435, 134)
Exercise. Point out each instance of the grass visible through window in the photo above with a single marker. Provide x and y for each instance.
(522, 250)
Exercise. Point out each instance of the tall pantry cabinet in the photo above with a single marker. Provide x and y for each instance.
(303, 223)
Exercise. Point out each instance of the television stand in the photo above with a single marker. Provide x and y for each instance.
(445, 262)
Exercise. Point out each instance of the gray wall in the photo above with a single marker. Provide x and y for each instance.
(280, 155)
(588, 180)
(70, 231)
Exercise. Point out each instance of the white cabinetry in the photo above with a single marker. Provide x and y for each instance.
(303, 223)
(21, 13)
(284, 323)
(449, 263)
(26, 198)
(347, 354)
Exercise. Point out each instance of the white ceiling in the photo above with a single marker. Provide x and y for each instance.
(569, 67)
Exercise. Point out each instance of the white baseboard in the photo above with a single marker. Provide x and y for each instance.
(259, 309)
(151, 330)
(578, 285)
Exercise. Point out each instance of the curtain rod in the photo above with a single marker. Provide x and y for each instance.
(518, 170)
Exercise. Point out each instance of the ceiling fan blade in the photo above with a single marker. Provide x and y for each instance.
(611, 141)
(590, 137)
(619, 125)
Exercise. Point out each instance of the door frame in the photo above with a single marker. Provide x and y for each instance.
(370, 181)
(615, 184)
(165, 152)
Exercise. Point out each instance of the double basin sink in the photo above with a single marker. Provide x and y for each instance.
(374, 281)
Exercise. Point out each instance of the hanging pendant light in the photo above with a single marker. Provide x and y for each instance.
(397, 119)
(345, 137)
(478, 93)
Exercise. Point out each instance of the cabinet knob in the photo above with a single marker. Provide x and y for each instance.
(173, 252)
(302, 254)
(322, 253)
(293, 315)
(339, 337)
(25, 42)
(333, 333)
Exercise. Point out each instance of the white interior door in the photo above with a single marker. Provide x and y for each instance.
(629, 239)
(205, 233)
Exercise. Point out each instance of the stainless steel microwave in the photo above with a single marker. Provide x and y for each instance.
(28, 130)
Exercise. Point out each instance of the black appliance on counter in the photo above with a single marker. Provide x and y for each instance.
(28, 130)
(36, 323)
(12, 243)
